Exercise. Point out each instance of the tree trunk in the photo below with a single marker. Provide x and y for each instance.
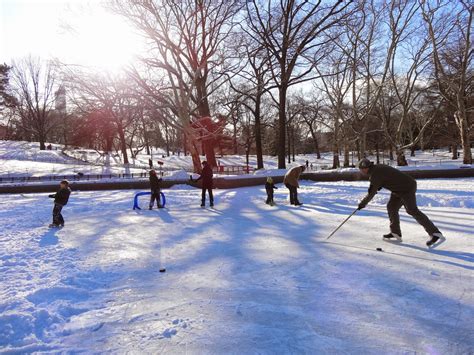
(335, 162)
(454, 150)
(204, 111)
(293, 143)
(462, 124)
(42, 143)
(363, 141)
(377, 152)
(123, 143)
(315, 141)
(346, 155)
(146, 139)
(289, 144)
(234, 137)
(185, 144)
(192, 144)
(258, 133)
(167, 140)
(281, 126)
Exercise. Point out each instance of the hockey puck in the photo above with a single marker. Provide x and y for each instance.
(379, 249)
(162, 270)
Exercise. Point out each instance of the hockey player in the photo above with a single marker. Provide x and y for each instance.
(206, 177)
(155, 190)
(60, 200)
(291, 182)
(269, 187)
(403, 188)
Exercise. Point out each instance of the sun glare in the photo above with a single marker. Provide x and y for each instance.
(101, 40)
(78, 32)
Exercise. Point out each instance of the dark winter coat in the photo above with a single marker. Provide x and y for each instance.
(206, 177)
(62, 196)
(384, 176)
(270, 187)
(155, 183)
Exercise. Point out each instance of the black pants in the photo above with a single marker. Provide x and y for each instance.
(203, 196)
(269, 196)
(407, 199)
(293, 193)
(57, 216)
(155, 195)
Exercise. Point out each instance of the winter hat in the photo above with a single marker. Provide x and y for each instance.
(65, 182)
(152, 172)
(365, 163)
(270, 180)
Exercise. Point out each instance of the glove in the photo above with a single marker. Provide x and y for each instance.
(51, 196)
(361, 206)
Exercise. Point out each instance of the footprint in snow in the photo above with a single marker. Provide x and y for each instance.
(168, 333)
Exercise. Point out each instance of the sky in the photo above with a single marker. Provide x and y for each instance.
(73, 31)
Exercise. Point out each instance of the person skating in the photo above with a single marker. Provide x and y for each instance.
(269, 187)
(291, 182)
(60, 200)
(155, 190)
(206, 177)
(403, 188)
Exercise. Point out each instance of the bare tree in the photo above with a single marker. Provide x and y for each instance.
(186, 42)
(33, 83)
(114, 96)
(449, 29)
(252, 84)
(291, 31)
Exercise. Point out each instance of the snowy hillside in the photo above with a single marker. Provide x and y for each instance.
(19, 158)
(428, 159)
(241, 278)
(25, 159)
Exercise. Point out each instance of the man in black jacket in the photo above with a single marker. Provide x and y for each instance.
(155, 190)
(60, 200)
(206, 177)
(403, 188)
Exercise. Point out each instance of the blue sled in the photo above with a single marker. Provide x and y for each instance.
(135, 200)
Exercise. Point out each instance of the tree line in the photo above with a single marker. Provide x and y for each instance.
(277, 77)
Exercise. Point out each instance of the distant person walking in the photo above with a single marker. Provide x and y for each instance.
(403, 188)
(207, 184)
(60, 200)
(307, 164)
(150, 163)
(291, 182)
(155, 188)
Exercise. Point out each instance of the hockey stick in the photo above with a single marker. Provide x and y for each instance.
(335, 230)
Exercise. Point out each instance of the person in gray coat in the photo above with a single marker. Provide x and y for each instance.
(403, 188)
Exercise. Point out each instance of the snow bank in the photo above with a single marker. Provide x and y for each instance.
(177, 175)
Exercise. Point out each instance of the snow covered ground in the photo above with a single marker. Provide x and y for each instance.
(241, 278)
(26, 159)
